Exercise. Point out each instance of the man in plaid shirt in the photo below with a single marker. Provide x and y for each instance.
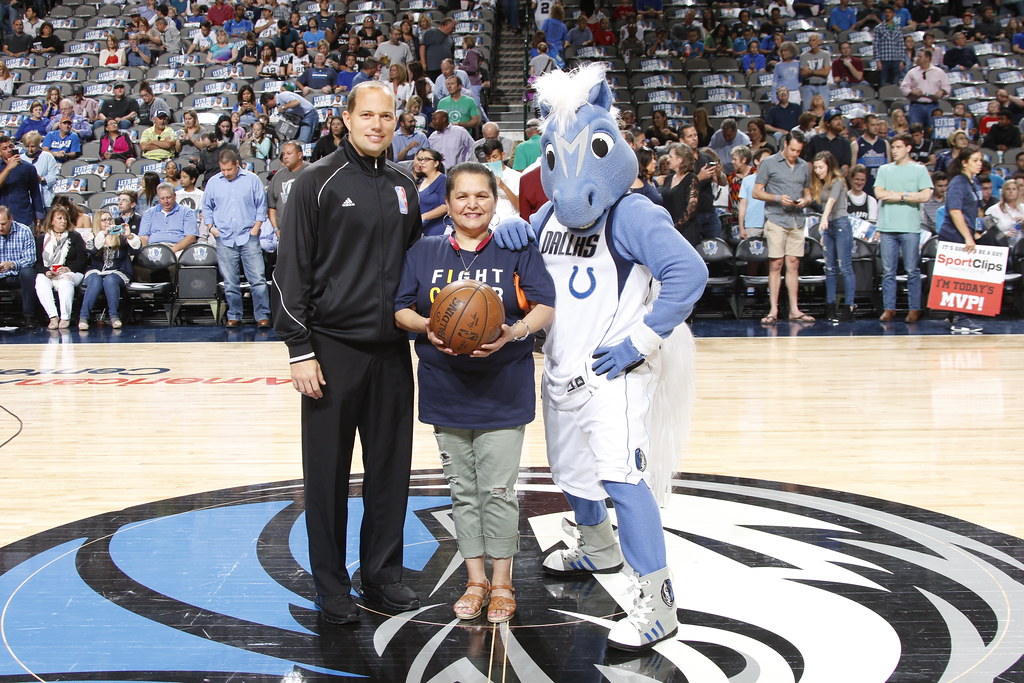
(17, 258)
(889, 48)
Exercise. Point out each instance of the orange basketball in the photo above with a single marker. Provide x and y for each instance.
(466, 315)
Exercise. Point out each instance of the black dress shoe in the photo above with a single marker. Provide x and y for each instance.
(396, 596)
(337, 609)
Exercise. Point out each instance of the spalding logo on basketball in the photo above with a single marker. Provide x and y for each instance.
(466, 315)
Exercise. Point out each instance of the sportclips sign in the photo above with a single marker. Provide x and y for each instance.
(969, 282)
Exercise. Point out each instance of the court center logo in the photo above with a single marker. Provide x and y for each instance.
(773, 583)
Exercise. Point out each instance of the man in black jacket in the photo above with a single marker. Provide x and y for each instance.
(351, 216)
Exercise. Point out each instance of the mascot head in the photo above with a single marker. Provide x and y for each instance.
(586, 165)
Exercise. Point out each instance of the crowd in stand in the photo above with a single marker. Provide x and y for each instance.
(704, 174)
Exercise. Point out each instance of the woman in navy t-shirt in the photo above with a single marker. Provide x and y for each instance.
(963, 221)
(478, 404)
(430, 182)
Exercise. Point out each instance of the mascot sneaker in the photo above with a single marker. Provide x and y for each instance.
(652, 618)
(595, 552)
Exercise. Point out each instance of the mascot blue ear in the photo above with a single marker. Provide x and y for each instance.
(601, 95)
(544, 110)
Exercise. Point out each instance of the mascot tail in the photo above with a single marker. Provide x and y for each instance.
(672, 408)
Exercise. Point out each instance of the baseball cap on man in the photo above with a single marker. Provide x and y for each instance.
(832, 113)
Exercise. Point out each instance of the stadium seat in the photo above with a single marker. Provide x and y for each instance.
(197, 280)
(718, 256)
(156, 258)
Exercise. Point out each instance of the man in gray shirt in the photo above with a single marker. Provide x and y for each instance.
(815, 65)
(436, 45)
(280, 187)
(783, 184)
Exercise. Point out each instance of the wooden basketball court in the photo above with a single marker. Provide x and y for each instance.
(930, 421)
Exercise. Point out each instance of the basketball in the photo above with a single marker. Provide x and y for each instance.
(466, 315)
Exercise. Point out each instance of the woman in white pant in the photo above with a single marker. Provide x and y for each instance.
(61, 257)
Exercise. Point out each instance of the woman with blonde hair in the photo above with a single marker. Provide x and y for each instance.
(398, 77)
(221, 52)
(6, 81)
(60, 259)
(898, 123)
(828, 188)
(109, 271)
(680, 192)
(1008, 213)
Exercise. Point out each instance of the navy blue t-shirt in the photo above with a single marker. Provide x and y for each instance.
(461, 392)
(965, 195)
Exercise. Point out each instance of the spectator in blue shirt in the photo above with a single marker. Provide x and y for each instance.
(408, 141)
(347, 73)
(138, 54)
(693, 47)
(63, 143)
(234, 209)
(238, 26)
(753, 61)
(318, 78)
(843, 17)
(556, 35)
(314, 35)
(17, 258)
(743, 41)
(168, 222)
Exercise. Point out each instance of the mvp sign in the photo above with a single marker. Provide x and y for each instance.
(968, 282)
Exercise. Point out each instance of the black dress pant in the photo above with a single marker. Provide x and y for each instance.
(370, 390)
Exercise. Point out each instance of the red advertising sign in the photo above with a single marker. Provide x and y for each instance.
(968, 282)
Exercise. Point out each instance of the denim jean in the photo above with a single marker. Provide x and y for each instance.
(838, 244)
(510, 10)
(892, 72)
(809, 91)
(25, 280)
(232, 260)
(710, 225)
(893, 244)
(921, 113)
(310, 124)
(110, 285)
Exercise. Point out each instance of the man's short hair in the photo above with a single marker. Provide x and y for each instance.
(491, 145)
(292, 143)
(165, 186)
(350, 105)
(729, 124)
(940, 175)
(916, 128)
(132, 195)
(905, 139)
(795, 134)
(228, 156)
(31, 137)
(191, 171)
(743, 152)
(4, 139)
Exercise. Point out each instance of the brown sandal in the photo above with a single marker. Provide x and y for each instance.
(499, 603)
(473, 604)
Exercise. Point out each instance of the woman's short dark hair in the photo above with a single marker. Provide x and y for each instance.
(471, 167)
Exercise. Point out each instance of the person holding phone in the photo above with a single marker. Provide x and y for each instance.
(109, 269)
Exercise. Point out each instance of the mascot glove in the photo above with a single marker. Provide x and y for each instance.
(617, 359)
(514, 234)
(628, 354)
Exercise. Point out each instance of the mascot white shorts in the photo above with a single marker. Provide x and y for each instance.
(603, 435)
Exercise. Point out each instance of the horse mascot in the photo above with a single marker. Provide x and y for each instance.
(618, 359)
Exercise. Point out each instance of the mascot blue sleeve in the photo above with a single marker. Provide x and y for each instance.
(644, 234)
